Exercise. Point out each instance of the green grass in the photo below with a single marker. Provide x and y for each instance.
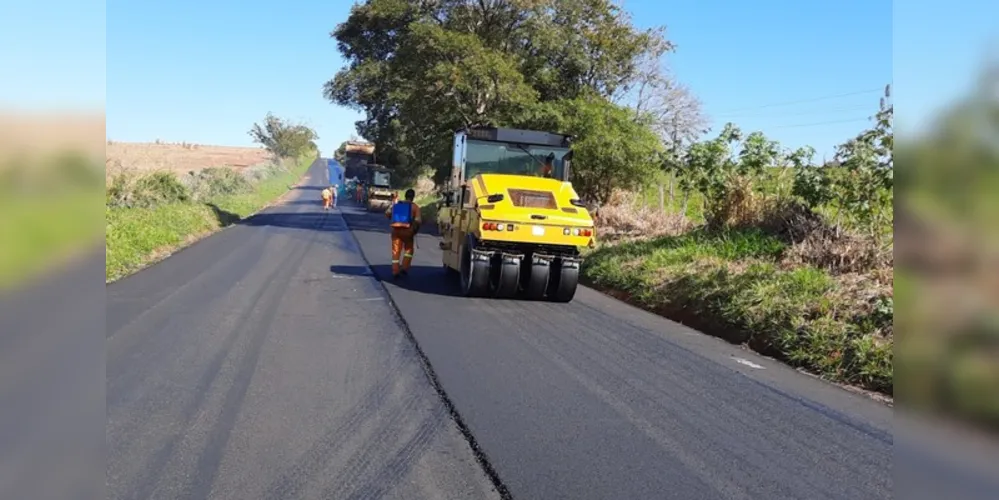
(39, 231)
(649, 197)
(730, 285)
(428, 208)
(49, 211)
(136, 236)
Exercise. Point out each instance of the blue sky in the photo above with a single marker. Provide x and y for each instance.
(204, 71)
(53, 54)
(803, 72)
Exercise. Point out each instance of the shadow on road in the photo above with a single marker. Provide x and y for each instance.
(318, 203)
(424, 279)
(375, 222)
(315, 221)
(367, 222)
(224, 217)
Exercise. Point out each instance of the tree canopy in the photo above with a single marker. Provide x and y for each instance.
(418, 70)
(283, 138)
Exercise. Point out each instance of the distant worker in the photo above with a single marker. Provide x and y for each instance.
(359, 195)
(327, 198)
(405, 217)
(335, 193)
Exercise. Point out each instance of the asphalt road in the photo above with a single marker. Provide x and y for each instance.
(595, 399)
(250, 366)
(268, 361)
(52, 384)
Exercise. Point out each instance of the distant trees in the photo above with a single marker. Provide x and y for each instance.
(728, 169)
(420, 70)
(283, 138)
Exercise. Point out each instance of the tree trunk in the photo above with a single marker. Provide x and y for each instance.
(662, 199)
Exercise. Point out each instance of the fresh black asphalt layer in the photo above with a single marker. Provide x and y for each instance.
(272, 361)
(266, 362)
(595, 399)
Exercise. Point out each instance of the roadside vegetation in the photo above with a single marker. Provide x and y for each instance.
(49, 208)
(152, 213)
(948, 251)
(728, 230)
(792, 258)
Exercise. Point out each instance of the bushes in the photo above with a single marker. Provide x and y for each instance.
(801, 271)
(149, 215)
(217, 181)
(145, 191)
(737, 285)
(49, 208)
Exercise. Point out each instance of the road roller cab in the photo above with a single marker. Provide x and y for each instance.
(511, 223)
(379, 188)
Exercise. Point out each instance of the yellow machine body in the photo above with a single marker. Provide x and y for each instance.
(507, 229)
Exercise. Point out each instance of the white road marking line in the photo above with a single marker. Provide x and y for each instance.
(352, 276)
(748, 363)
(369, 299)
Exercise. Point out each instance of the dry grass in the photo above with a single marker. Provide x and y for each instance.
(424, 187)
(623, 220)
(741, 207)
(816, 242)
(771, 274)
(178, 158)
(39, 133)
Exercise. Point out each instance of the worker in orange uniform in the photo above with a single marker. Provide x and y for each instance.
(405, 222)
(327, 198)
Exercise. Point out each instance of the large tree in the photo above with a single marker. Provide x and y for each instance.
(420, 69)
(283, 138)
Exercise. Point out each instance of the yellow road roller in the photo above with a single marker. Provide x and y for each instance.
(511, 223)
(379, 188)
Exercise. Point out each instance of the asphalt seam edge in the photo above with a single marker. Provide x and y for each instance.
(428, 370)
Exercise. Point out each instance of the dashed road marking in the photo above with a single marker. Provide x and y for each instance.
(353, 275)
(748, 363)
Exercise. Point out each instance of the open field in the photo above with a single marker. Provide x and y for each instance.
(179, 158)
(49, 175)
(151, 213)
(35, 134)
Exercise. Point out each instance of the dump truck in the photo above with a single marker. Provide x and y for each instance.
(511, 223)
(378, 186)
(357, 156)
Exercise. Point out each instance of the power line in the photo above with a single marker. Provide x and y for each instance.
(814, 99)
(857, 107)
(852, 120)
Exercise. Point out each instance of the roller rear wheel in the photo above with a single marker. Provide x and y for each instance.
(474, 272)
(565, 280)
(505, 277)
(535, 281)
